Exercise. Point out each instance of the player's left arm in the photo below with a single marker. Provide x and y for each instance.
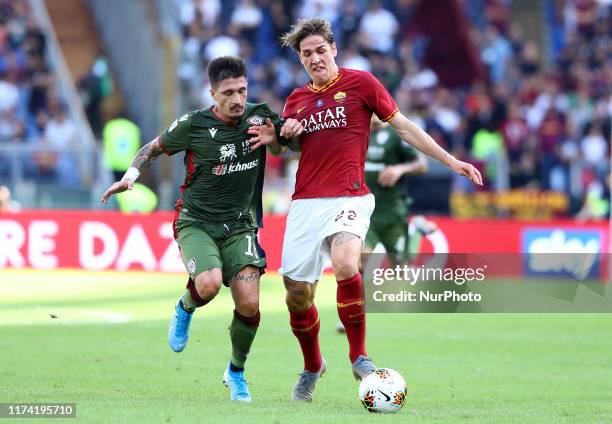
(414, 135)
(266, 135)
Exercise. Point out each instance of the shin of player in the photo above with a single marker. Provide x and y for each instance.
(345, 255)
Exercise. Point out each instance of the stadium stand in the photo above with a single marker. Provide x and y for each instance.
(534, 110)
(45, 145)
(523, 89)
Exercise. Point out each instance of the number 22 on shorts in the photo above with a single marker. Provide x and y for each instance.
(348, 215)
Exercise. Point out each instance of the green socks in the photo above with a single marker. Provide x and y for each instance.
(242, 334)
(188, 303)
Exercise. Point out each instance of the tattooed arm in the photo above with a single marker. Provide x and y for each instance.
(146, 154)
(143, 159)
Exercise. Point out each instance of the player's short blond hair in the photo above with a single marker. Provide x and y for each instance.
(304, 28)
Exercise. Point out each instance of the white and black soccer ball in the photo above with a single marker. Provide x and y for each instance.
(383, 391)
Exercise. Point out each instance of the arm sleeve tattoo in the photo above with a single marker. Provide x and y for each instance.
(146, 154)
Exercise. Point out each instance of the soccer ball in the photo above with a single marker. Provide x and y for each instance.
(383, 391)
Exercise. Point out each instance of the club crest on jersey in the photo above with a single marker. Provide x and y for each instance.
(319, 103)
(340, 96)
(255, 120)
(228, 152)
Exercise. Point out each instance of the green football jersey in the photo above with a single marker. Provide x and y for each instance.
(387, 148)
(223, 175)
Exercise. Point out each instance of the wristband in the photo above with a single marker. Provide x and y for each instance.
(131, 174)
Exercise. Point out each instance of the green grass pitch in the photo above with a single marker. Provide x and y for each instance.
(99, 339)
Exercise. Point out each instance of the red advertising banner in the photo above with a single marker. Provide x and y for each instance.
(89, 240)
(111, 240)
(501, 235)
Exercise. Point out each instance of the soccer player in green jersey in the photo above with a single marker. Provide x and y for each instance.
(219, 210)
(387, 161)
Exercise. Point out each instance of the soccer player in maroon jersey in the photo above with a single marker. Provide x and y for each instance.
(331, 207)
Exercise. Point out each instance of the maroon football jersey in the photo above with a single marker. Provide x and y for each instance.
(336, 120)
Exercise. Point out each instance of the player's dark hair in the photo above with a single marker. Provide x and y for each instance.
(304, 28)
(225, 67)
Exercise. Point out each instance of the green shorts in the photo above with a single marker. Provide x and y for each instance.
(229, 247)
(393, 234)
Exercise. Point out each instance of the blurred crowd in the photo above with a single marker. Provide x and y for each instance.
(531, 109)
(31, 109)
(532, 117)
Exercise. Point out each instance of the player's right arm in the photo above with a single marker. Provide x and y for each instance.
(172, 140)
(143, 159)
(293, 129)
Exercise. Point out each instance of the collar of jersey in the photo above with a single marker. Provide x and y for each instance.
(326, 86)
(218, 118)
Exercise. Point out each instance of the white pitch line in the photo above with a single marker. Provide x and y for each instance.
(107, 316)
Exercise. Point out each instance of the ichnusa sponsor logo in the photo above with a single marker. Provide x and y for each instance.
(229, 168)
(554, 252)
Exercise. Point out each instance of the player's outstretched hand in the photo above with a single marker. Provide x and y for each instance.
(467, 170)
(117, 187)
(264, 134)
(291, 128)
(389, 176)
